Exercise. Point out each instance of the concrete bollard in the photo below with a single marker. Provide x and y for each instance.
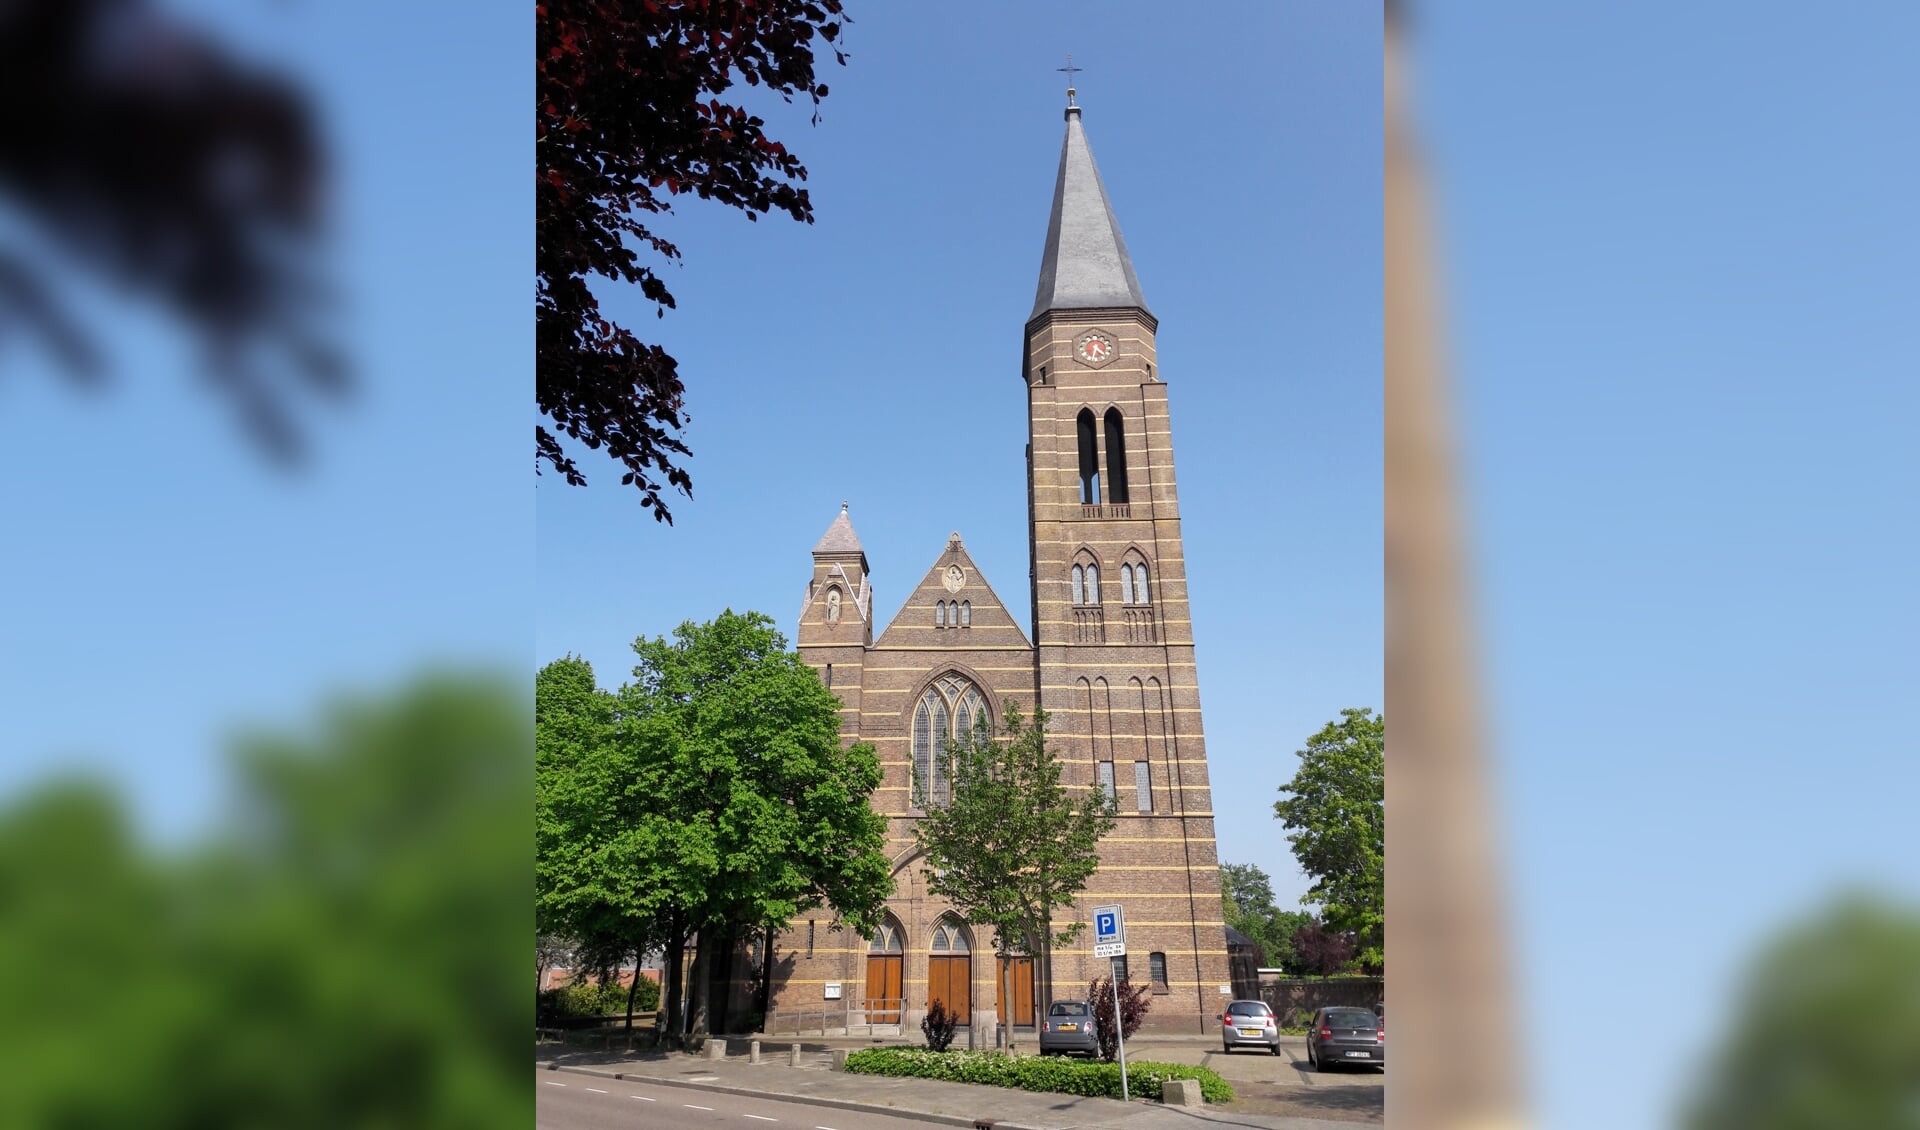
(1180, 1092)
(716, 1048)
(837, 1059)
(793, 1056)
(753, 1052)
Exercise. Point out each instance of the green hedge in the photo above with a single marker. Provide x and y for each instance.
(1035, 1073)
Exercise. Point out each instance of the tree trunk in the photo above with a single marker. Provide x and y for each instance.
(676, 949)
(631, 990)
(1006, 999)
(701, 975)
(766, 974)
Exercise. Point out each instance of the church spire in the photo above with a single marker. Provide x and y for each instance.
(1085, 264)
(840, 537)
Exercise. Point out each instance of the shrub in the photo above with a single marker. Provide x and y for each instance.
(1070, 1077)
(582, 999)
(1134, 1004)
(938, 1026)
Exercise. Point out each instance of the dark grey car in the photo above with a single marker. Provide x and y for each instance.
(1249, 1024)
(1067, 1029)
(1346, 1035)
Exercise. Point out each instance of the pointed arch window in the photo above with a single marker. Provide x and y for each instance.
(1089, 459)
(886, 939)
(949, 937)
(966, 613)
(1116, 457)
(1079, 585)
(940, 614)
(949, 710)
(1141, 594)
(1126, 584)
(1093, 584)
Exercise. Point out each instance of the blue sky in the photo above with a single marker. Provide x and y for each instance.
(1679, 245)
(1249, 193)
(164, 584)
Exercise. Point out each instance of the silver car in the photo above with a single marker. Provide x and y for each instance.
(1249, 1023)
(1346, 1035)
(1068, 1030)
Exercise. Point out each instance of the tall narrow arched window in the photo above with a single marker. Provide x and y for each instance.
(1116, 457)
(1140, 593)
(1093, 584)
(940, 614)
(1126, 584)
(922, 753)
(950, 710)
(1079, 585)
(966, 613)
(1089, 460)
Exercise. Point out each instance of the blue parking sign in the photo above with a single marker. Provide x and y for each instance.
(1109, 931)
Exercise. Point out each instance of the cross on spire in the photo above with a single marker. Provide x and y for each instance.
(1070, 70)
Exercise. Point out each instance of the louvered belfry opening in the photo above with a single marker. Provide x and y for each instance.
(1089, 460)
(1116, 458)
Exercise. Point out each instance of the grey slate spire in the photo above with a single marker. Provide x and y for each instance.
(1086, 263)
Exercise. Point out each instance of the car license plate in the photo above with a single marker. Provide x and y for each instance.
(1359, 1055)
(1251, 1031)
(1069, 1027)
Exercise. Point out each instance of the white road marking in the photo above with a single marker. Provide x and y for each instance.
(596, 1090)
(551, 1083)
(823, 1128)
(704, 1079)
(642, 1098)
(690, 1106)
(763, 1118)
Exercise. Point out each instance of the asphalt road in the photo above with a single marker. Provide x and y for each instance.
(588, 1102)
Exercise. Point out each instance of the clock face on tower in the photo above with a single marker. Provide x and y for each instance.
(1095, 348)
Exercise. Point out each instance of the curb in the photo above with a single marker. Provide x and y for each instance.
(808, 1100)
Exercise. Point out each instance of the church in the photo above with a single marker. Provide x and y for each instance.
(1111, 659)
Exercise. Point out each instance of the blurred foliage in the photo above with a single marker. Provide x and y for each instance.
(144, 152)
(1827, 1033)
(347, 948)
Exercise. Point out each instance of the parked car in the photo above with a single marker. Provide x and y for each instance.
(1346, 1035)
(1068, 1030)
(1249, 1022)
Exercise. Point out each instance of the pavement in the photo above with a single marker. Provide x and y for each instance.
(1271, 1093)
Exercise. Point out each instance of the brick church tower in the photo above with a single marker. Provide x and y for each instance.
(1113, 637)
(1111, 658)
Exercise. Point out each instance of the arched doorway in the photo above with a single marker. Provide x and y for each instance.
(1014, 976)
(950, 970)
(886, 960)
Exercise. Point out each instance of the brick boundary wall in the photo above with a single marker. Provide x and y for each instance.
(1294, 999)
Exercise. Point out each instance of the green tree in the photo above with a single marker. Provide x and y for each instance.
(1336, 808)
(1010, 845)
(708, 796)
(1827, 1032)
(353, 912)
(1246, 895)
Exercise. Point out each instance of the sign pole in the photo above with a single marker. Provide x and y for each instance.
(1110, 941)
